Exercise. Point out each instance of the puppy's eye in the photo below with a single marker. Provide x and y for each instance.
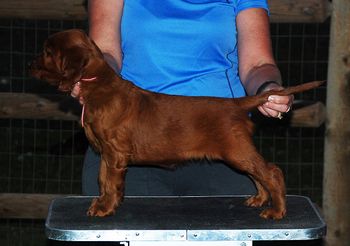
(48, 52)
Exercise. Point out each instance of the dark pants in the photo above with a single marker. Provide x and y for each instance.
(198, 178)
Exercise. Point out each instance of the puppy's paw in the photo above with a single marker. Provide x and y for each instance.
(100, 208)
(271, 213)
(256, 201)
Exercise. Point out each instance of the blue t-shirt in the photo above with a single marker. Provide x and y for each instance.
(183, 47)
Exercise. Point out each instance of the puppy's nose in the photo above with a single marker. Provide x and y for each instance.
(34, 64)
(30, 64)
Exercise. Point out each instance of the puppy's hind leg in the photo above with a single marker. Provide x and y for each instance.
(268, 177)
(261, 198)
(274, 180)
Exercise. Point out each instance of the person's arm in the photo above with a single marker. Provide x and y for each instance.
(256, 63)
(104, 29)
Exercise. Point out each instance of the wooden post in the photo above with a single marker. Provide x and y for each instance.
(336, 198)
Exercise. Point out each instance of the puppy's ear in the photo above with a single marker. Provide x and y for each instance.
(73, 63)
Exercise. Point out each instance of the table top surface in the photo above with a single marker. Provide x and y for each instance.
(182, 218)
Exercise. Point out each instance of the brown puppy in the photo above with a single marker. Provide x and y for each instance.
(129, 125)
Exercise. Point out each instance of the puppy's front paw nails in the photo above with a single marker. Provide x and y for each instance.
(271, 213)
(256, 201)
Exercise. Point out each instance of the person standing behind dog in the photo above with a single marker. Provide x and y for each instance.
(219, 48)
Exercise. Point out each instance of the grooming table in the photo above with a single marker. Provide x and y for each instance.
(188, 221)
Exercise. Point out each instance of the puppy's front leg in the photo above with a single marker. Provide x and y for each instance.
(111, 181)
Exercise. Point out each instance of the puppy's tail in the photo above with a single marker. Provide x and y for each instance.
(251, 102)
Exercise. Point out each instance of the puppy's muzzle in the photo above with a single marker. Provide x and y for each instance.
(34, 66)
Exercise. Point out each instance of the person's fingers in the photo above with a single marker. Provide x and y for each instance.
(81, 100)
(283, 108)
(287, 100)
(276, 106)
(76, 90)
(262, 110)
(269, 112)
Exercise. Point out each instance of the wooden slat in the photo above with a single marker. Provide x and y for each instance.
(281, 10)
(32, 106)
(25, 206)
(43, 9)
(60, 107)
(312, 115)
(299, 11)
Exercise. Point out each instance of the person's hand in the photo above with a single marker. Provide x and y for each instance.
(76, 93)
(276, 104)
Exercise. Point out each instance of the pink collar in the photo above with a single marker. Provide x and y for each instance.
(83, 110)
(88, 79)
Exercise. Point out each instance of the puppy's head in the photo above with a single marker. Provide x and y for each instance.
(65, 58)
